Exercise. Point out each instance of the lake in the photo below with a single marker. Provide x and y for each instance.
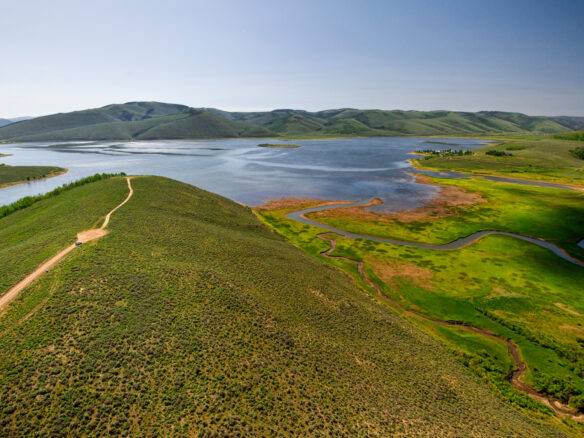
(339, 169)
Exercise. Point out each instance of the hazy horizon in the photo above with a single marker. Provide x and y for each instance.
(520, 56)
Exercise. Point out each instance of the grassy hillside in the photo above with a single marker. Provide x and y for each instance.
(347, 122)
(193, 318)
(202, 124)
(31, 235)
(116, 122)
(154, 120)
(10, 175)
(129, 112)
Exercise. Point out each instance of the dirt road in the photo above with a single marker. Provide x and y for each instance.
(83, 236)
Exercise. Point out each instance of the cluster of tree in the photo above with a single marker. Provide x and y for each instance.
(496, 153)
(578, 152)
(431, 153)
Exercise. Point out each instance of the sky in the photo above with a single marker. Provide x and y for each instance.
(467, 55)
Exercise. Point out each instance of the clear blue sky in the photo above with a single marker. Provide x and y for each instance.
(470, 55)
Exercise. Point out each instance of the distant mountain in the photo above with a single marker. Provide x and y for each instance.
(570, 121)
(4, 122)
(20, 119)
(155, 120)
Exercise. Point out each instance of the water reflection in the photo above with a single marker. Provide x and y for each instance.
(340, 169)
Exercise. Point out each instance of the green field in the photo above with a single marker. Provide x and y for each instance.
(523, 209)
(508, 286)
(11, 175)
(545, 158)
(191, 317)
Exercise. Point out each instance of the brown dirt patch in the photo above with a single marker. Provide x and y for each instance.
(450, 199)
(390, 270)
(296, 204)
(567, 309)
(86, 236)
(499, 291)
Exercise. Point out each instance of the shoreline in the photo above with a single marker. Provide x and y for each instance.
(51, 175)
(416, 164)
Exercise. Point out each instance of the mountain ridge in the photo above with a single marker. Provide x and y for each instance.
(158, 120)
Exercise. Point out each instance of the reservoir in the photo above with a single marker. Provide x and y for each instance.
(336, 169)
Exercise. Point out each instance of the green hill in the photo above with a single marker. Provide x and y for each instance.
(154, 120)
(134, 121)
(129, 112)
(193, 318)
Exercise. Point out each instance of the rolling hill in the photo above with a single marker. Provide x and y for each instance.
(191, 317)
(155, 120)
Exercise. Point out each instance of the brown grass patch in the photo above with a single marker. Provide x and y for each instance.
(450, 199)
(326, 300)
(572, 329)
(499, 291)
(390, 270)
(296, 204)
(567, 309)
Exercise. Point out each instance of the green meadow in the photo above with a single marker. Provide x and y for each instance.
(511, 287)
(10, 175)
(552, 214)
(191, 317)
(546, 158)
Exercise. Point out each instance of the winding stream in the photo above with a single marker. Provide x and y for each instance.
(455, 244)
(520, 366)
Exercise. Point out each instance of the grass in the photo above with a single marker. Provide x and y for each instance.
(33, 234)
(511, 287)
(11, 175)
(575, 136)
(542, 158)
(27, 201)
(191, 317)
(530, 210)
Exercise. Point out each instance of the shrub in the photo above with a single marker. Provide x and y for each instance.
(578, 152)
(27, 201)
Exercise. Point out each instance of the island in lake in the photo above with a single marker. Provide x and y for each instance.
(269, 145)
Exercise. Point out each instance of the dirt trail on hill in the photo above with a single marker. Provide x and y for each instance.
(83, 237)
(559, 408)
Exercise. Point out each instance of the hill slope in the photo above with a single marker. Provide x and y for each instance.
(139, 121)
(191, 317)
(155, 120)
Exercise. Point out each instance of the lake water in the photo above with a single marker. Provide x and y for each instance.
(340, 169)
